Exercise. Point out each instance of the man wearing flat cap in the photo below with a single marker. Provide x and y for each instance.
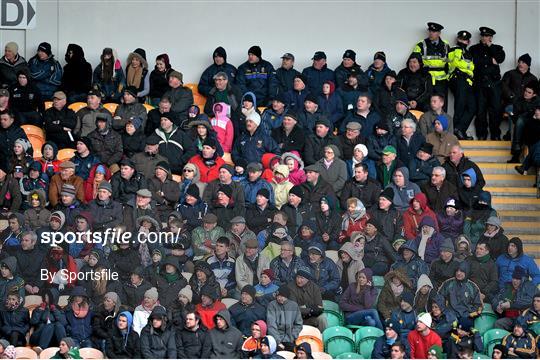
(434, 51)
(65, 176)
(461, 68)
(318, 73)
(286, 73)
(60, 121)
(487, 85)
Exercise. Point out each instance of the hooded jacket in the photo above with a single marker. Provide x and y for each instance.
(414, 267)
(412, 220)
(123, 345)
(353, 301)
(422, 303)
(433, 243)
(25, 99)
(251, 147)
(443, 324)
(506, 265)
(34, 218)
(77, 77)
(144, 83)
(463, 297)
(158, 343)
(298, 175)
(223, 343)
(325, 274)
(168, 289)
(440, 270)
(223, 126)
(417, 85)
(404, 195)
(485, 274)
(387, 300)
(331, 105)
(468, 196)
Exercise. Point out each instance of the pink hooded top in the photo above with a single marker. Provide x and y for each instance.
(297, 176)
(223, 126)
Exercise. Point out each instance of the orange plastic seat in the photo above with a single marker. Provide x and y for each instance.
(47, 105)
(261, 109)
(111, 107)
(148, 107)
(32, 130)
(416, 113)
(228, 158)
(48, 352)
(76, 106)
(90, 353)
(25, 353)
(65, 154)
(199, 100)
(193, 87)
(312, 336)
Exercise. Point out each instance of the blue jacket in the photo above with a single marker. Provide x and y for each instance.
(407, 151)
(316, 78)
(79, 328)
(406, 320)
(47, 75)
(376, 144)
(332, 107)
(242, 316)
(506, 266)
(193, 214)
(329, 276)
(443, 324)
(206, 83)
(414, 267)
(83, 165)
(252, 187)
(283, 273)
(375, 78)
(271, 120)
(253, 147)
(286, 79)
(368, 124)
(259, 78)
(16, 320)
(295, 100)
(370, 164)
(383, 347)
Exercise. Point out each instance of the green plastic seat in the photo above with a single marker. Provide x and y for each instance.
(491, 338)
(338, 340)
(365, 339)
(378, 281)
(349, 356)
(484, 322)
(480, 356)
(535, 328)
(333, 319)
(331, 306)
(488, 309)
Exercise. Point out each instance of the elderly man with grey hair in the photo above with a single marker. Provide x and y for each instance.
(456, 163)
(409, 141)
(224, 91)
(30, 260)
(439, 190)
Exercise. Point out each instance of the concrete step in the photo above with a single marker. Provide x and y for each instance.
(511, 191)
(485, 145)
(509, 180)
(492, 156)
(515, 203)
(516, 215)
(497, 168)
(523, 227)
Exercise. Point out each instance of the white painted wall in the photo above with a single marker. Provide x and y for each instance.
(190, 30)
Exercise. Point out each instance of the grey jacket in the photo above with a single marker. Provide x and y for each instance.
(284, 321)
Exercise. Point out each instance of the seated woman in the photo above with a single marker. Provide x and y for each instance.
(98, 174)
(359, 299)
(360, 156)
(68, 350)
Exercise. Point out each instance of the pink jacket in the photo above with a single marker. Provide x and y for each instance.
(223, 126)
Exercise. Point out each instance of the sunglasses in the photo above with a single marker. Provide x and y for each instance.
(188, 170)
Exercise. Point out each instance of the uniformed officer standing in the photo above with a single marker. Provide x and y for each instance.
(434, 51)
(487, 84)
(461, 70)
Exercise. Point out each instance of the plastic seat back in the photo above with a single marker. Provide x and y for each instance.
(416, 113)
(312, 336)
(65, 154)
(90, 353)
(338, 340)
(111, 107)
(76, 106)
(491, 338)
(286, 354)
(48, 352)
(25, 353)
(47, 105)
(365, 339)
(350, 355)
(484, 322)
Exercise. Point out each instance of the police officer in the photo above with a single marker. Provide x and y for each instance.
(434, 51)
(461, 70)
(487, 84)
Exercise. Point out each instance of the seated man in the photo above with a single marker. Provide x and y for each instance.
(106, 143)
(306, 293)
(126, 182)
(520, 344)
(66, 176)
(284, 319)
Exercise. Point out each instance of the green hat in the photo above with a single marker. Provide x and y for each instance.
(437, 351)
(389, 149)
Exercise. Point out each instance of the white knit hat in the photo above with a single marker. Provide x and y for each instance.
(255, 117)
(425, 318)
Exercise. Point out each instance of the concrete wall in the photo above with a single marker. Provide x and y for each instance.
(189, 30)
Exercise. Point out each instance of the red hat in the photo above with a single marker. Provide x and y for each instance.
(269, 273)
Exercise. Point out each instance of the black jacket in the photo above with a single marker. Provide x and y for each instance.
(314, 149)
(55, 122)
(176, 147)
(453, 172)
(485, 72)
(116, 347)
(285, 79)
(77, 77)
(294, 141)
(407, 151)
(125, 190)
(189, 344)
(513, 84)
(158, 343)
(25, 98)
(368, 192)
(159, 83)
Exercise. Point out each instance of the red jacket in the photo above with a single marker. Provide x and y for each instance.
(208, 173)
(421, 344)
(412, 220)
(208, 313)
(89, 183)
